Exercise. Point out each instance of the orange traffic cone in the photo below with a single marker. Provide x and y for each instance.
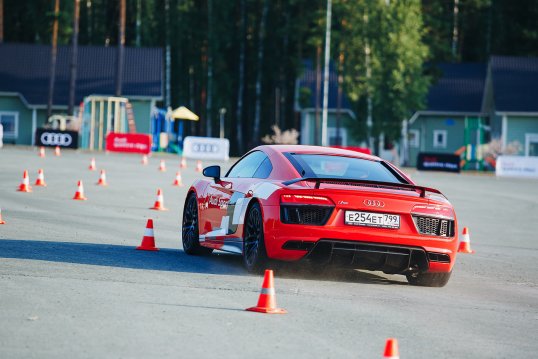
(183, 163)
(57, 151)
(79, 194)
(102, 179)
(1, 220)
(178, 181)
(40, 181)
(267, 300)
(465, 242)
(162, 166)
(198, 166)
(144, 160)
(391, 349)
(148, 241)
(25, 185)
(41, 151)
(159, 202)
(92, 165)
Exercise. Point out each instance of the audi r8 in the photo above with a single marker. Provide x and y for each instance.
(324, 206)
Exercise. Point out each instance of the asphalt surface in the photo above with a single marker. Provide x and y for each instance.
(73, 286)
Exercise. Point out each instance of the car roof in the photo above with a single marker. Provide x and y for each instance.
(280, 149)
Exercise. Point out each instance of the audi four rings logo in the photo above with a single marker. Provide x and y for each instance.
(373, 203)
(56, 139)
(205, 147)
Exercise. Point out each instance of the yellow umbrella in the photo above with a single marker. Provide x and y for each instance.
(183, 113)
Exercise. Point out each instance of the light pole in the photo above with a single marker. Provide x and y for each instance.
(222, 112)
(369, 120)
(324, 114)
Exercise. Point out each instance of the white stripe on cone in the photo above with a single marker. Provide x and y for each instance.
(268, 291)
(148, 232)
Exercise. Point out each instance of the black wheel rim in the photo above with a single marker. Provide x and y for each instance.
(190, 223)
(253, 234)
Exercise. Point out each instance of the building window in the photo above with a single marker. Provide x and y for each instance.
(439, 138)
(414, 138)
(334, 140)
(10, 124)
(531, 144)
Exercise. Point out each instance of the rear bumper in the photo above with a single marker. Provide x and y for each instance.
(358, 247)
(374, 256)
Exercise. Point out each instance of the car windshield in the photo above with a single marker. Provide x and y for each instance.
(339, 167)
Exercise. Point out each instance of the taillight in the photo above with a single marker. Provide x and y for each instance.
(305, 199)
(433, 211)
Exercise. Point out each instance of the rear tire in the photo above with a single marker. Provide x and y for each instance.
(189, 229)
(254, 254)
(429, 279)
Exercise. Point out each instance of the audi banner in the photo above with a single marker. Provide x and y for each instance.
(438, 162)
(128, 142)
(52, 138)
(517, 166)
(206, 148)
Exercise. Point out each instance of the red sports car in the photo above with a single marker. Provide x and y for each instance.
(325, 206)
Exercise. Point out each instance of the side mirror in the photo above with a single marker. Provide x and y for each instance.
(213, 172)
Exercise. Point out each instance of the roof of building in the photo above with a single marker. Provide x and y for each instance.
(308, 80)
(459, 89)
(25, 68)
(515, 83)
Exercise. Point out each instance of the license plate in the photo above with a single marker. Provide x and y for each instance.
(372, 219)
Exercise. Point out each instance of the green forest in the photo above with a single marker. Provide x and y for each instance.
(245, 55)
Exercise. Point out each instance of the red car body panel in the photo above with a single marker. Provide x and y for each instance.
(223, 204)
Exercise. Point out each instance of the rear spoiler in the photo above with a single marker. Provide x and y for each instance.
(379, 184)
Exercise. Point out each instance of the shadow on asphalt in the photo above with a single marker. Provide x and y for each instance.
(302, 271)
(173, 260)
(194, 306)
(108, 255)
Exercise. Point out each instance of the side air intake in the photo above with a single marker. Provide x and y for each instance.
(434, 226)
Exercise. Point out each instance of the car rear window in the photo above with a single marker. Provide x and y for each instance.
(327, 166)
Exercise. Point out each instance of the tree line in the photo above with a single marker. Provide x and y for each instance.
(245, 55)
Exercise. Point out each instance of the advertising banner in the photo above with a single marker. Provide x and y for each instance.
(206, 148)
(517, 166)
(128, 142)
(52, 138)
(438, 162)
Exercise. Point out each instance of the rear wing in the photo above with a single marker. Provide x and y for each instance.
(378, 184)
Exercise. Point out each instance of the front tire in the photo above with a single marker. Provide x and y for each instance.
(189, 229)
(429, 279)
(254, 254)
